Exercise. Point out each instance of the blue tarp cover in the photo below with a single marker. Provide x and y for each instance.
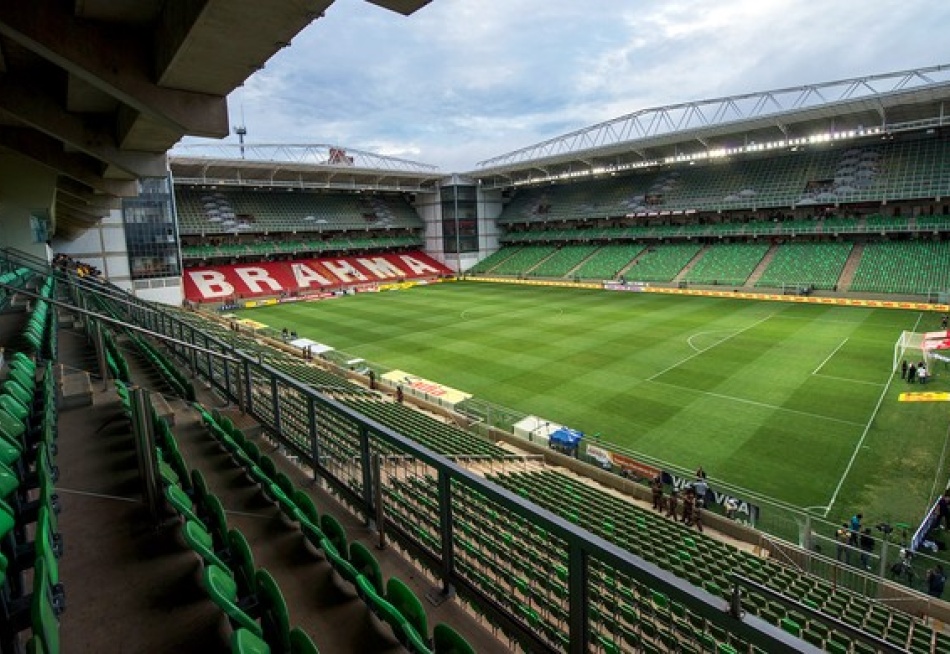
(566, 437)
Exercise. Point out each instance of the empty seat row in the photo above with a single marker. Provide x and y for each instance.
(31, 594)
(392, 602)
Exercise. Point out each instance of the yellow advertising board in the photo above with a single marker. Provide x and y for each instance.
(736, 294)
(924, 397)
(437, 391)
(251, 324)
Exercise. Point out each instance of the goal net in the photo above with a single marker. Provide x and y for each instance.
(910, 348)
(929, 347)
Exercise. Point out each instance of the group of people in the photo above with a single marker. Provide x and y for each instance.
(850, 536)
(914, 372)
(288, 335)
(67, 263)
(853, 536)
(693, 499)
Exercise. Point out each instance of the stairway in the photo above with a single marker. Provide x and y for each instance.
(692, 262)
(850, 267)
(761, 268)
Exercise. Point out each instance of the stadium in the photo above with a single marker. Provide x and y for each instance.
(301, 398)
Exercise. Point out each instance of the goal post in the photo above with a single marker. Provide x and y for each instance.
(910, 347)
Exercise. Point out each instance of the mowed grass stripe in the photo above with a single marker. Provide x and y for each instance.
(582, 357)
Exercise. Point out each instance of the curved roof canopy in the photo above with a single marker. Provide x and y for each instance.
(787, 117)
(317, 166)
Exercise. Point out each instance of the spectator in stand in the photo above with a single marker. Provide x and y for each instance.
(689, 503)
(656, 490)
(843, 536)
(698, 516)
(936, 580)
(867, 548)
(854, 526)
(399, 396)
(700, 488)
(672, 505)
(943, 510)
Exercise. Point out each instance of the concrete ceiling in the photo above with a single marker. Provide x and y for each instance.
(99, 90)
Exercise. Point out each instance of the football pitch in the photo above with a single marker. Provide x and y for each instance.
(793, 401)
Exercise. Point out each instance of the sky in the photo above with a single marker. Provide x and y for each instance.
(461, 81)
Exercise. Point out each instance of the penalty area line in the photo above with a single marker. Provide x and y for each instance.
(850, 381)
(756, 403)
(828, 358)
(864, 434)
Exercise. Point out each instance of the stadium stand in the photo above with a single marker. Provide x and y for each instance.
(489, 263)
(661, 263)
(894, 170)
(237, 211)
(727, 264)
(523, 260)
(500, 554)
(563, 261)
(905, 267)
(806, 264)
(608, 261)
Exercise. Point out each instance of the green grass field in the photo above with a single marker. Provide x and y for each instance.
(792, 401)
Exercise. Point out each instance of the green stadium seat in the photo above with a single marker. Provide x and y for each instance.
(300, 642)
(245, 641)
(222, 589)
(447, 641)
(401, 596)
(367, 565)
(275, 620)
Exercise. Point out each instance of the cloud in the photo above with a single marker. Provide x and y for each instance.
(465, 80)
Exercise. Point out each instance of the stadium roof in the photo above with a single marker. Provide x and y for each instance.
(870, 106)
(299, 166)
(99, 90)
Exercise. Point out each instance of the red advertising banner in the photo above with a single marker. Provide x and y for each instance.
(243, 281)
(634, 467)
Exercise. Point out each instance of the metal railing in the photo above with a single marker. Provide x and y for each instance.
(340, 446)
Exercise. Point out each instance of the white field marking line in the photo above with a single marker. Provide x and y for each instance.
(828, 358)
(764, 405)
(817, 507)
(867, 428)
(689, 341)
(845, 379)
(696, 354)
